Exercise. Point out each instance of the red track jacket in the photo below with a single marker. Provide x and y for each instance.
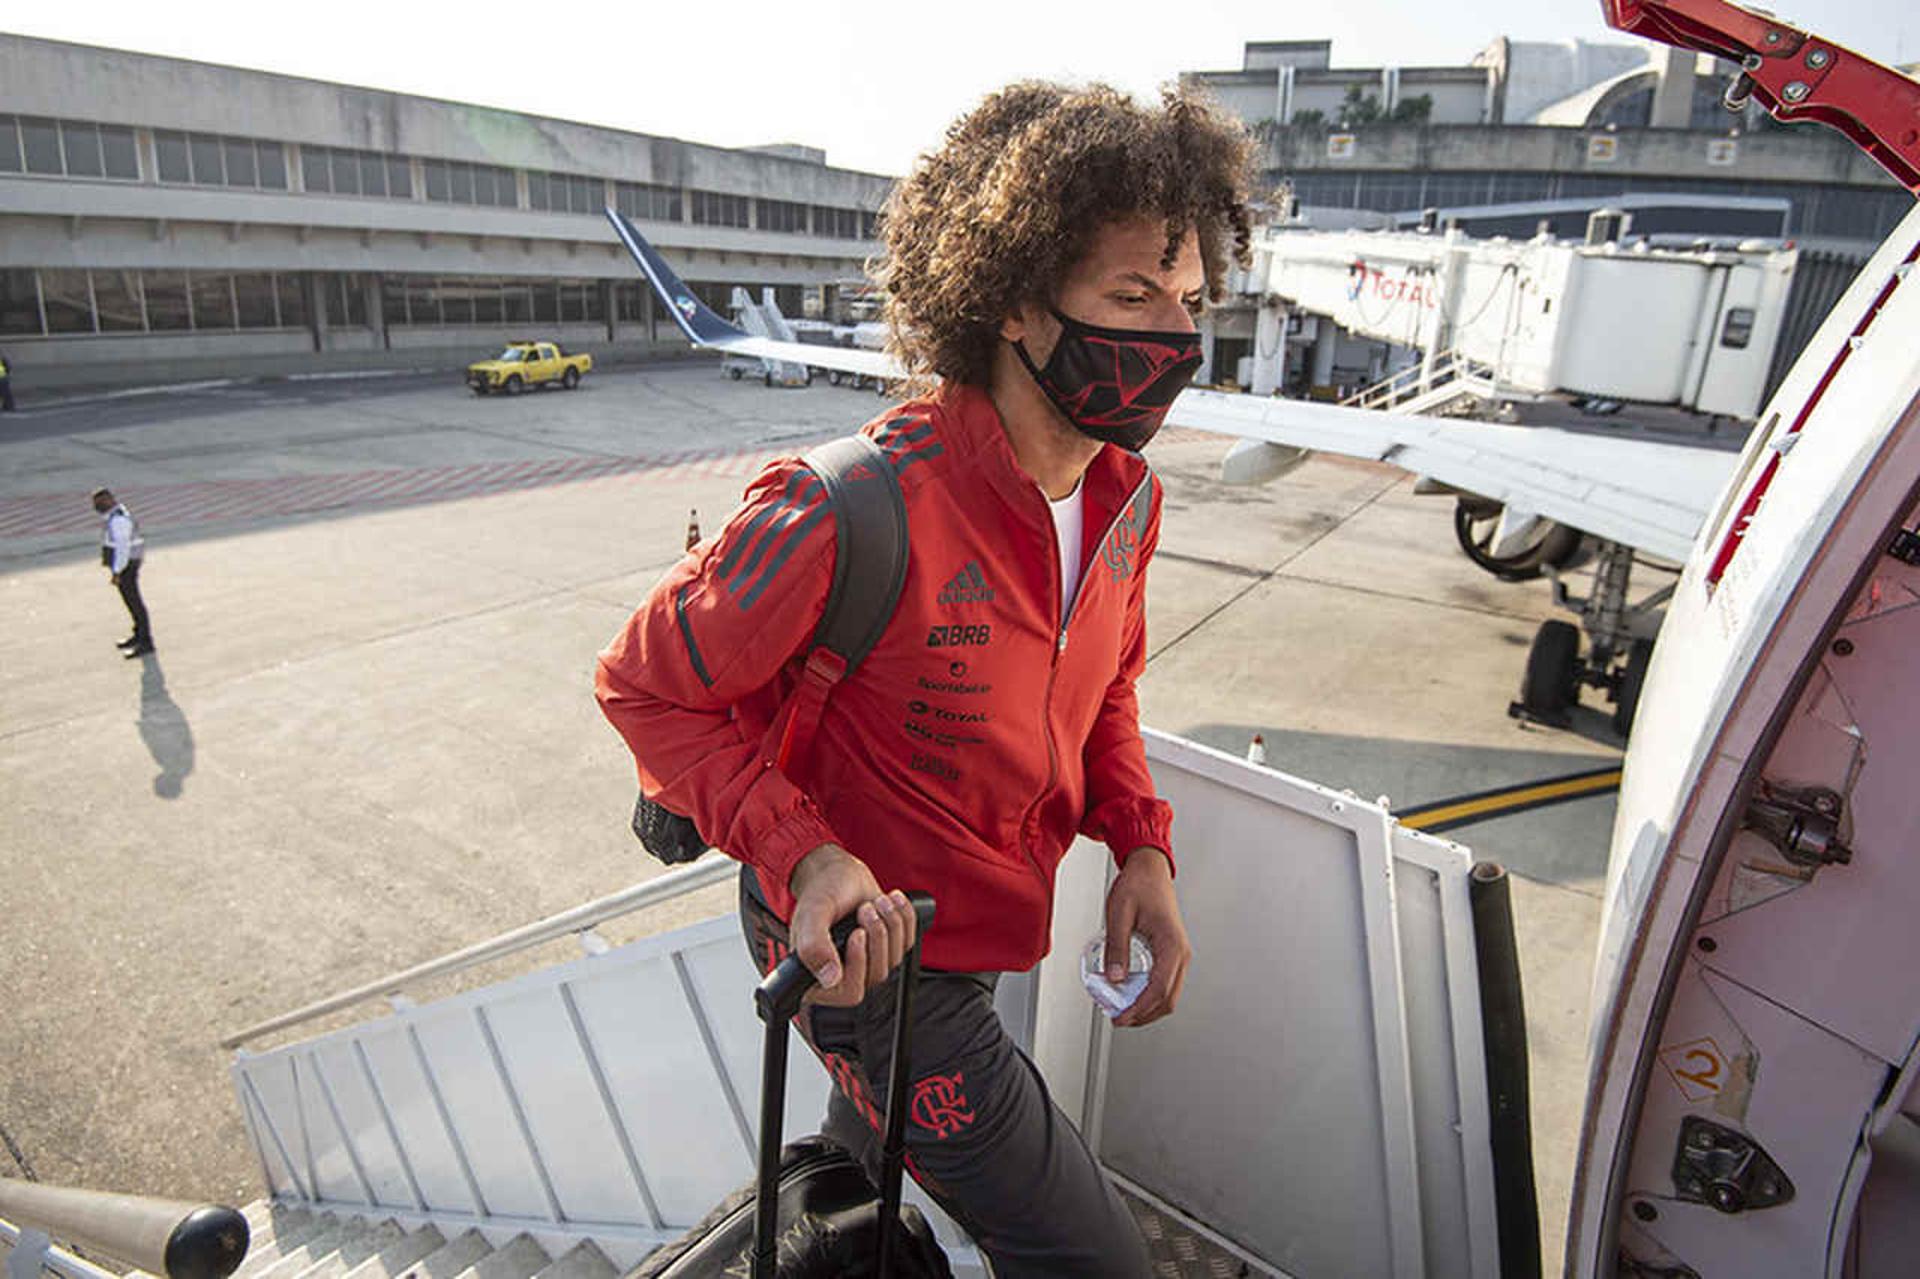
(979, 735)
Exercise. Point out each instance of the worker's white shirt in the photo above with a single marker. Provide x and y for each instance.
(122, 539)
(1069, 519)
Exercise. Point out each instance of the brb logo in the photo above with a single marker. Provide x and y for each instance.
(959, 636)
(940, 1106)
(686, 305)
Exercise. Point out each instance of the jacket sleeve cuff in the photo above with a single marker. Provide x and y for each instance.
(1149, 827)
(778, 849)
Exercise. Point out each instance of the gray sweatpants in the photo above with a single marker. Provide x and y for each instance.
(983, 1137)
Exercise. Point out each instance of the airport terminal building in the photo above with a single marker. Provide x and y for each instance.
(164, 219)
(1547, 131)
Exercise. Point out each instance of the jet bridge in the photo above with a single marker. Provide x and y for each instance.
(1693, 328)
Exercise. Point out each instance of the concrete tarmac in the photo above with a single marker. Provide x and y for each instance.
(368, 737)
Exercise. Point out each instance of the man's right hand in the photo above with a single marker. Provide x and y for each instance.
(827, 884)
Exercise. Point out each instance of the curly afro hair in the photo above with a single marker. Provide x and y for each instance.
(1004, 209)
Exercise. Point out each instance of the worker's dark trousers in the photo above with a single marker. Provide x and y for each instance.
(6, 394)
(983, 1137)
(129, 585)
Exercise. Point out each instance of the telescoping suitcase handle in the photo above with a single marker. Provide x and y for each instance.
(777, 999)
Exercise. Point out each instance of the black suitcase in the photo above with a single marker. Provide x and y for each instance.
(811, 1212)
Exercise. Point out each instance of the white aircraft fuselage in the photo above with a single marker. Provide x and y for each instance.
(1753, 1105)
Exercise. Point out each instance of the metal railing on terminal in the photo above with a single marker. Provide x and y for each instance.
(159, 1236)
(711, 869)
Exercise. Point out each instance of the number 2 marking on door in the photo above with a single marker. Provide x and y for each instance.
(1696, 1068)
(1704, 1070)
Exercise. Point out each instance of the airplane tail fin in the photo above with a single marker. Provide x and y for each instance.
(698, 321)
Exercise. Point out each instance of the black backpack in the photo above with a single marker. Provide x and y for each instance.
(869, 568)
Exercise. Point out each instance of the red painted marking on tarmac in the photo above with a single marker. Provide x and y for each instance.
(200, 502)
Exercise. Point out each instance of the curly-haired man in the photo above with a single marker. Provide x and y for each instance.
(1043, 268)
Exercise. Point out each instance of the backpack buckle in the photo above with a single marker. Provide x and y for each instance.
(824, 668)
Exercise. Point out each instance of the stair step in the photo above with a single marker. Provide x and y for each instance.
(285, 1241)
(583, 1261)
(270, 1224)
(317, 1246)
(364, 1246)
(452, 1260)
(400, 1255)
(522, 1258)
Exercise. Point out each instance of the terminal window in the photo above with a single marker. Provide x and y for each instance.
(711, 208)
(200, 159)
(646, 202)
(457, 182)
(566, 192)
(781, 215)
(839, 224)
(70, 148)
(478, 300)
(72, 301)
(337, 171)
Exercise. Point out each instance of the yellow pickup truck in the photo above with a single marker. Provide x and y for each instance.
(527, 364)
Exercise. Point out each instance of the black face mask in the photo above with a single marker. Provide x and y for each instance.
(1115, 385)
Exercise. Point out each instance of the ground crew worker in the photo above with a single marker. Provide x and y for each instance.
(122, 550)
(6, 386)
(1044, 268)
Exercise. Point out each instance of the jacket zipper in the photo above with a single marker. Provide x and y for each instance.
(1053, 667)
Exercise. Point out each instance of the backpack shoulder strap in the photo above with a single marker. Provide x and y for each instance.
(869, 570)
(870, 560)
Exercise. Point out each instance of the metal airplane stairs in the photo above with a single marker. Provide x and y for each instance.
(1454, 378)
(290, 1243)
(764, 320)
(568, 1120)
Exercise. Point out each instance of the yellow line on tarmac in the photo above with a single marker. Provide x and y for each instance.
(1511, 799)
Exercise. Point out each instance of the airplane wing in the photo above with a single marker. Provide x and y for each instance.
(704, 328)
(1645, 494)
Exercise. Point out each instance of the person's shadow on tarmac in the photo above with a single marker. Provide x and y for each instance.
(164, 730)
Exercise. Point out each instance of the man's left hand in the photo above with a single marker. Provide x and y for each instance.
(1142, 901)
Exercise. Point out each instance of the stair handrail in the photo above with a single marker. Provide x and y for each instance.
(32, 1252)
(167, 1237)
(711, 869)
(1386, 387)
(1389, 391)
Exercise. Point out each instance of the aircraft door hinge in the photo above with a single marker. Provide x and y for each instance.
(1906, 546)
(1725, 1169)
(1803, 824)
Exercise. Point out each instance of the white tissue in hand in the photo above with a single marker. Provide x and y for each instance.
(1113, 998)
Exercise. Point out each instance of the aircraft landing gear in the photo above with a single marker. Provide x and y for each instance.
(1476, 521)
(1619, 646)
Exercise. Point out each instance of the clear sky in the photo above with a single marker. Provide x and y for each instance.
(872, 81)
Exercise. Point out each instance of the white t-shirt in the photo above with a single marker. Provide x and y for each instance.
(1068, 522)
